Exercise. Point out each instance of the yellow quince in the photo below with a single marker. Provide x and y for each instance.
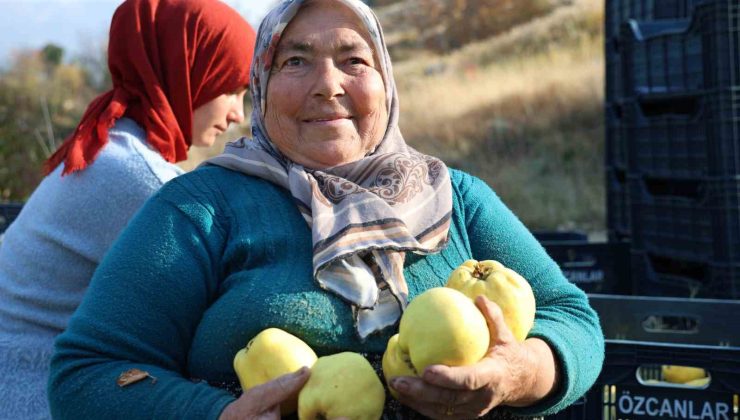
(503, 286)
(342, 385)
(440, 326)
(396, 363)
(682, 374)
(698, 383)
(270, 354)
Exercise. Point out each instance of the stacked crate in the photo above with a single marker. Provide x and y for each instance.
(617, 13)
(620, 97)
(8, 213)
(673, 141)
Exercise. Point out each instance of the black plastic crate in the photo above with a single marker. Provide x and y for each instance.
(661, 57)
(688, 137)
(617, 205)
(8, 213)
(655, 275)
(595, 267)
(668, 319)
(613, 90)
(723, 131)
(672, 219)
(682, 55)
(689, 220)
(618, 11)
(644, 333)
(625, 395)
(674, 9)
(616, 136)
(667, 138)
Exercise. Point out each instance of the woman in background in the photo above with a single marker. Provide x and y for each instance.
(180, 69)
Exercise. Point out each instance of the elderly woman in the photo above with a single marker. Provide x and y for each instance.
(325, 224)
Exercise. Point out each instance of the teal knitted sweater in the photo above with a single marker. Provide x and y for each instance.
(217, 256)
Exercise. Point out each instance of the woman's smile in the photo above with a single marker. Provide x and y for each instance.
(328, 121)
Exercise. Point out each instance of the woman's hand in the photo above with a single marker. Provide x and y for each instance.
(263, 401)
(512, 373)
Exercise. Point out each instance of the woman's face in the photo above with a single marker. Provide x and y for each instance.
(325, 100)
(213, 118)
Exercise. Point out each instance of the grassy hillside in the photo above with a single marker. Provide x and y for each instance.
(521, 109)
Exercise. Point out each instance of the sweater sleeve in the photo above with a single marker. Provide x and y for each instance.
(563, 317)
(141, 312)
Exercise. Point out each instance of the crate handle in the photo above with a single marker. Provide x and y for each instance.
(693, 273)
(662, 106)
(679, 188)
(671, 324)
(644, 30)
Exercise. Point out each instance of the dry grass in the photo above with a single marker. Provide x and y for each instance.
(449, 106)
(532, 130)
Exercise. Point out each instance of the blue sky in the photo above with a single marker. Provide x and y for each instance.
(76, 24)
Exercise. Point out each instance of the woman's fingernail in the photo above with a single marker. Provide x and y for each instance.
(400, 385)
(431, 372)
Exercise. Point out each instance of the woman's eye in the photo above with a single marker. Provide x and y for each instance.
(293, 61)
(356, 61)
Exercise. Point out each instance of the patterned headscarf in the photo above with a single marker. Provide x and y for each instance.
(166, 58)
(364, 215)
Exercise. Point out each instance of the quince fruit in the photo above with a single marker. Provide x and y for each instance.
(396, 363)
(342, 385)
(440, 326)
(682, 374)
(698, 383)
(270, 354)
(501, 285)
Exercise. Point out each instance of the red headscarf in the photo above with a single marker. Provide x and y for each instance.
(166, 58)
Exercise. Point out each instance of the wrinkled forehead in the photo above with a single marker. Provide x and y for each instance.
(274, 24)
(315, 17)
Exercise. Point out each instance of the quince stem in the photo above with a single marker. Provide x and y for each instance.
(481, 272)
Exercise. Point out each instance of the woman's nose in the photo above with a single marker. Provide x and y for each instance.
(236, 115)
(328, 80)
